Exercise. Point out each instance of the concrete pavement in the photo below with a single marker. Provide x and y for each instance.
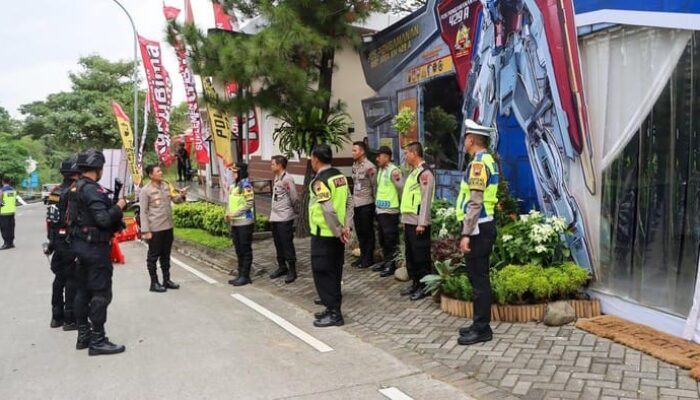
(194, 343)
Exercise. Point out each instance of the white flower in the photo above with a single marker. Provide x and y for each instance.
(540, 249)
(507, 237)
(443, 231)
(524, 218)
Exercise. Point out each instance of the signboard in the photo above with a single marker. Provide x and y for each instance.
(430, 70)
(459, 26)
(377, 110)
(32, 181)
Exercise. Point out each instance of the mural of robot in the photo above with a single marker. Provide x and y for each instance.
(526, 65)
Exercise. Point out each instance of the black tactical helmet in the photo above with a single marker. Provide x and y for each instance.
(70, 165)
(91, 159)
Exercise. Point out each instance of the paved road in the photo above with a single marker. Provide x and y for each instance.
(195, 343)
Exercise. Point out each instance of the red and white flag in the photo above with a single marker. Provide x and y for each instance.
(160, 95)
(224, 19)
(189, 17)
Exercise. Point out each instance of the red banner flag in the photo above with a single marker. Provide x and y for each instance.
(224, 19)
(458, 27)
(189, 17)
(170, 12)
(159, 92)
(191, 95)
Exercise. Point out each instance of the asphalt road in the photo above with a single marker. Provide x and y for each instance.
(207, 340)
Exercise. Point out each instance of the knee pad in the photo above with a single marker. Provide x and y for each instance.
(102, 298)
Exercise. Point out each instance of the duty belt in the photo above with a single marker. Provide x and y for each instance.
(92, 234)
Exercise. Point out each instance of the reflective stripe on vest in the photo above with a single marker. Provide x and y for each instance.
(387, 194)
(337, 184)
(9, 202)
(490, 193)
(411, 196)
(237, 202)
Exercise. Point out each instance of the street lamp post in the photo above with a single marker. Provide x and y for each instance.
(136, 78)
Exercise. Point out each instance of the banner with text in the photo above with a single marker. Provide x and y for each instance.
(128, 142)
(459, 27)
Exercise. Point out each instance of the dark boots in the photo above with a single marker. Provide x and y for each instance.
(280, 271)
(291, 273)
(100, 344)
(83, 337)
(240, 281)
(56, 317)
(167, 282)
(329, 318)
(243, 273)
(388, 270)
(155, 285)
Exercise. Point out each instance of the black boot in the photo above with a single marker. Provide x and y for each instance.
(83, 337)
(280, 271)
(388, 270)
(409, 290)
(7, 246)
(321, 314)
(420, 293)
(100, 344)
(167, 283)
(475, 336)
(155, 285)
(291, 273)
(240, 281)
(70, 326)
(56, 322)
(331, 318)
(380, 266)
(56, 317)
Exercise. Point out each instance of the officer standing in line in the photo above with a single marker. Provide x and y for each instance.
(389, 185)
(156, 217)
(364, 182)
(8, 205)
(63, 259)
(282, 216)
(93, 219)
(417, 198)
(330, 222)
(239, 212)
(475, 207)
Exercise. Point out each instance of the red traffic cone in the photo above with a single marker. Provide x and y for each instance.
(117, 255)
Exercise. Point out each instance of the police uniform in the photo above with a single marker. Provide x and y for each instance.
(364, 182)
(416, 200)
(330, 211)
(63, 258)
(241, 201)
(389, 185)
(8, 206)
(476, 205)
(93, 219)
(282, 216)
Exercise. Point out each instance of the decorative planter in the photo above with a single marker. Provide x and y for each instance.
(516, 313)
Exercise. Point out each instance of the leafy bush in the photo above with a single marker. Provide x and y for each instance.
(209, 217)
(444, 223)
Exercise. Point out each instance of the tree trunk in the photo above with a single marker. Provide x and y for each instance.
(303, 218)
(325, 81)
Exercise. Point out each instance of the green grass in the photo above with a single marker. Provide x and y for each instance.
(204, 238)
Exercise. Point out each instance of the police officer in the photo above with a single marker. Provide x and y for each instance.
(93, 219)
(416, 201)
(282, 216)
(156, 218)
(239, 212)
(63, 259)
(8, 205)
(389, 185)
(330, 222)
(475, 207)
(364, 182)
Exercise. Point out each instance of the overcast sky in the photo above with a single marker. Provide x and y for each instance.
(41, 41)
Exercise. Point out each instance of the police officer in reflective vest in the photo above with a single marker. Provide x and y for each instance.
(389, 185)
(475, 208)
(63, 259)
(364, 177)
(239, 212)
(92, 220)
(330, 222)
(417, 198)
(8, 205)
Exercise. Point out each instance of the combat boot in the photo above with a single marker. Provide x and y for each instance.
(240, 281)
(83, 337)
(70, 326)
(155, 285)
(280, 271)
(100, 344)
(332, 318)
(291, 273)
(167, 283)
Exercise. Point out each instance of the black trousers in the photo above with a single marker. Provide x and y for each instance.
(181, 171)
(364, 226)
(418, 260)
(159, 248)
(327, 258)
(389, 235)
(477, 264)
(94, 277)
(283, 235)
(242, 237)
(63, 266)
(7, 228)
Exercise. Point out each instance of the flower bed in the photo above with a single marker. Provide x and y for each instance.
(515, 313)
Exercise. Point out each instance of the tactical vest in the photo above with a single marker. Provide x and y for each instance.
(331, 185)
(80, 223)
(237, 202)
(9, 202)
(56, 212)
(411, 197)
(490, 191)
(387, 194)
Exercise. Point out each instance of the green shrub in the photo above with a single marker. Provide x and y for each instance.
(204, 238)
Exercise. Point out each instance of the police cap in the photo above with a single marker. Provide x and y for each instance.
(472, 128)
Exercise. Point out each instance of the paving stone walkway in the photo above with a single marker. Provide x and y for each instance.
(528, 361)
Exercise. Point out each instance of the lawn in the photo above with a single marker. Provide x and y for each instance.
(204, 238)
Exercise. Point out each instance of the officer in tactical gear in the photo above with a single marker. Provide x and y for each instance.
(8, 205)
(330, 221)
(93, 219)
(63, 259)
(389, 186)
(476, 204)
(239, 213)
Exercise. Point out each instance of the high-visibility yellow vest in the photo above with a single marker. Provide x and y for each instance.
(238, 196)
(329, 185)
(482, 174)
(411, 197)
(387, 194)
(9, 201)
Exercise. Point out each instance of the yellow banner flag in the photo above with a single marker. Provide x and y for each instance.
(219, 125)
(128, 142)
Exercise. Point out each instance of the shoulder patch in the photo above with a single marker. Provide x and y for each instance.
(339, 182)
(477, 176)
(424, 179)
(321, 191)
(396, 174)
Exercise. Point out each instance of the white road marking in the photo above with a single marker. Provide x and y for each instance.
(395, 394)
(284, 324)
(201, 275)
